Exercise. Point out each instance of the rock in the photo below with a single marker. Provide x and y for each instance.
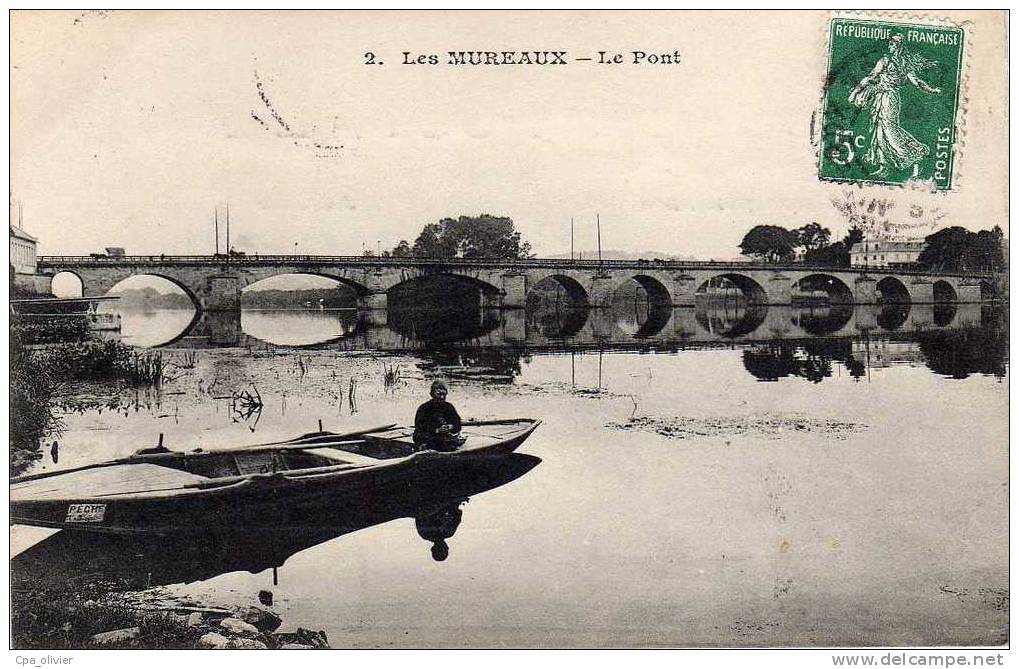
(117, 636)
(214, 641)
(195, 619)
(246, 644)
(302, 637)
(296, 646)
(265, 597)
(264, 621)
(238, 626)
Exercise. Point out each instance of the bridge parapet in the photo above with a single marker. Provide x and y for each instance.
(215, 282)
(315, 261)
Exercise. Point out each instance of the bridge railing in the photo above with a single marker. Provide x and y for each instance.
(523, 263)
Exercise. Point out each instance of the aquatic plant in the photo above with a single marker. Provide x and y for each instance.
(245, 405)
(32, 417)
(187, 360)
(390, 376)
(101, 360)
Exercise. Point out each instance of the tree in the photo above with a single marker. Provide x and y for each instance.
(812, 236)
(985, 250)
(854, 236)
(402, 250)
(832, 255)
(482, 236)
(946, 249)
(772, 243)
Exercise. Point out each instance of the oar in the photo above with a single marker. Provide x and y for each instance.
(331, 435)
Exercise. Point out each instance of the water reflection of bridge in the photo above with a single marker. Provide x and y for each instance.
(579, 329)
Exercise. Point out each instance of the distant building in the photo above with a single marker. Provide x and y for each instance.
(22, 251)
(884, 253)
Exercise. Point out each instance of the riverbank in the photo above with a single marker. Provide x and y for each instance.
(93, 615)
(41, 374)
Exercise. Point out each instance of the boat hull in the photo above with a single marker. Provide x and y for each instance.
(264, 500)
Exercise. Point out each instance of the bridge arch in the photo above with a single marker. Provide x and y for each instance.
(67, 283)
(642, 306)
(892, 291)
(835, 288)
(944, 292)
(346, 295)
(722, 285)
(445, 290)
(549, 289)
(168, 278)
(279, 276)
(657, 294)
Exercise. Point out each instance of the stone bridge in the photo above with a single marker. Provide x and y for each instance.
(215, 282)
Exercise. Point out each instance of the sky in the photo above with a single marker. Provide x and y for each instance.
(130, 128)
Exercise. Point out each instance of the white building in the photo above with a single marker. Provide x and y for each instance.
(22, 251)
(882, 253)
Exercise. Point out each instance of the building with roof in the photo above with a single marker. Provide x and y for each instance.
(23, 251)
(885, 253)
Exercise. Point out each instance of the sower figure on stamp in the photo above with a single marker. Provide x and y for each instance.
(437, 424)
(878, 93)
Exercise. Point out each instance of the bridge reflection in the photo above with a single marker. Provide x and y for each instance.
(568, 328)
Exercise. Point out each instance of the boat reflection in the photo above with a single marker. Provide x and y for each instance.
(138, 562)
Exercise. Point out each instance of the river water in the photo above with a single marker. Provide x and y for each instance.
(709, 477)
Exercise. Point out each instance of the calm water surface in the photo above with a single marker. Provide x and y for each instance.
(724, 477)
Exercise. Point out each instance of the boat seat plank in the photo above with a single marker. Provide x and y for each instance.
(104, 481)
(346, 456)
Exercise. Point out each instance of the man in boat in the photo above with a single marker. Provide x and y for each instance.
(437, 424)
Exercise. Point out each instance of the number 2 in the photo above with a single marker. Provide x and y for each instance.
(369, 58)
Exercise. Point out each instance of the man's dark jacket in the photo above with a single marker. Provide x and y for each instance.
(430, 417)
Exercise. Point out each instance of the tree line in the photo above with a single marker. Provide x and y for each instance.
(952, 248)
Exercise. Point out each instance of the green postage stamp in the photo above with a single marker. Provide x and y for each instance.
(891, 102)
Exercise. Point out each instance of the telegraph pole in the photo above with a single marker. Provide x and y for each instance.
(571, 238)
(598, 219)
(216, 218)
(228, 228)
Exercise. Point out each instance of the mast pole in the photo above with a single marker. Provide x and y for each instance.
(598, 218)
(216, 218)
(228, 228)
(571, 238)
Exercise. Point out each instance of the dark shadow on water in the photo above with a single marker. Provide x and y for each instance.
(810, 360)
(823, 320)
(944, 314)
(959, 353)
(436, 324)
(892, 316)
(131, 562)
(730, 318)
(492, 365)
(555, 322)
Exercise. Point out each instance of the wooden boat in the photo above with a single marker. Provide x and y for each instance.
(139, 561)
(162, 491)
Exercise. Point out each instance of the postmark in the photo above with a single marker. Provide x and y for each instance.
(891, 106)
